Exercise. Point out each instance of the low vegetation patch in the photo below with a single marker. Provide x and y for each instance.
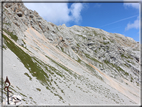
(119, 69)
(7, 23)
(93, 59)
(82, 36)
(28, 76)
(95, 33)
(14, 37)
(38, 89)
(27, 60)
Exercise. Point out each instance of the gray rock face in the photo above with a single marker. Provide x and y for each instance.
(82, 61)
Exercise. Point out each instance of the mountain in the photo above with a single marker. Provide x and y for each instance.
(58, 65)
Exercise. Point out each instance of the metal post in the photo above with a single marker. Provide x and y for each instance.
(7, 97)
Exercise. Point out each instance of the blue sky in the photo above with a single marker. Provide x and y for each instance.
(120, 18)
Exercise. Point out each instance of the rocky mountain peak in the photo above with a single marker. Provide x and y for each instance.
(64, 62)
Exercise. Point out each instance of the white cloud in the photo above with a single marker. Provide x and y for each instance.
(76, 10)
(134, 5)
(57, 13)
(135, 24)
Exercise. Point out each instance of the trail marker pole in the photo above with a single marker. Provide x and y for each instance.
(7, 81)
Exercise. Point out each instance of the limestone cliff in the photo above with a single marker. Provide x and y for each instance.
(67, 65)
